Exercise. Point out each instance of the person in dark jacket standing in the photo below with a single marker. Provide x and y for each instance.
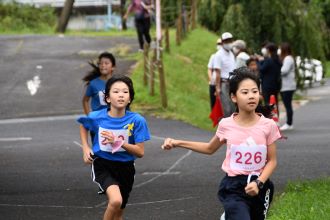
(270, 73)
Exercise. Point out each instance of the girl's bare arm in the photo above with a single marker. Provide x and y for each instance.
(201, 147)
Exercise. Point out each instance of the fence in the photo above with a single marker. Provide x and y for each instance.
(153, 63)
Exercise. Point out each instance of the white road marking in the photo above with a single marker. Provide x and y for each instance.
(168, 171)
(77, 143)
(19, 46)
(16, 139)
(160, 201)
(46, 206)
(39, 119)
(157, 137)
(92, 207)
(33, 85)
(158, 173)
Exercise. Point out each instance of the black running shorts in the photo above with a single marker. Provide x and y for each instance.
(106, 173)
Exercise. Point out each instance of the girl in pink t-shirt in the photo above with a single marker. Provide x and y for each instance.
(245, 191)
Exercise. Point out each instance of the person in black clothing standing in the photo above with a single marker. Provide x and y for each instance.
(270, 73)
(142, 10)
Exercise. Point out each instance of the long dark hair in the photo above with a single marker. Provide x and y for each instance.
(272, 48)
(285, 50)
(119, 78)
(243, 73)
(95, 72)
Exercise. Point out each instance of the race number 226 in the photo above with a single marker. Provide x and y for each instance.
(248, 157)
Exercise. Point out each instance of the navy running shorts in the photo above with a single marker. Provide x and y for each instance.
(240, 206)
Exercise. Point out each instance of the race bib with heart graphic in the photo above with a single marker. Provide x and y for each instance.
(121, 136)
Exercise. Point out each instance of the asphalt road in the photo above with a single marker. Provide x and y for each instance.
(58, 64)
(43, 176)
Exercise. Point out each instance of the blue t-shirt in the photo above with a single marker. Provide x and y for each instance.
(132, 127)
(95, 90)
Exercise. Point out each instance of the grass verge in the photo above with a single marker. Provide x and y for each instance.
(327, 68)
(186, 81)
(307, 200)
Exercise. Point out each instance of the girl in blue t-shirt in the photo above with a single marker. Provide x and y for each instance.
(93, 98)
(119, 139)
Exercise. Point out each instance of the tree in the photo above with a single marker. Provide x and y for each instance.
(301, 23)
(65, 15)
(210, 13)
(236, 23)
(324, 5)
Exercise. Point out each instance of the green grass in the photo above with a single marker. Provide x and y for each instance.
(307, 200)
(327, 68)
(186, 81)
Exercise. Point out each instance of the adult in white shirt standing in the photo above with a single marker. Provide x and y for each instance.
(224, 63)
(212, 75)
(289, 84)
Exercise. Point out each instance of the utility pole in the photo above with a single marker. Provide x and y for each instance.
(161, 72)
(122, 13)
(64, 17)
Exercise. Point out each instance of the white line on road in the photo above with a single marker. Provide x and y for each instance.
(91, 207)
(157, 137)
(77, 143)
(168, 171)
(38, 119)
(46, 206)
(158, 174)
(161, 201)
(16, 139)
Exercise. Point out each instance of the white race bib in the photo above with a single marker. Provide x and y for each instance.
(121, 136)
(101, 98)
(248, 158)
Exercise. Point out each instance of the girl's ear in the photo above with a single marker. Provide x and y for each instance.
(107, 100)
(233, 98)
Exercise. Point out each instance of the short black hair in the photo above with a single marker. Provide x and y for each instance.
(109, 56)
(243, 73)
(238, 75)
(120, 78)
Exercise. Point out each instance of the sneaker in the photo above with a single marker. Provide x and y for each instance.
(140, 50)
(286, 127)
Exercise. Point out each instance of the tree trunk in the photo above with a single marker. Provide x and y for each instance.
(65, 16)
(122, 13)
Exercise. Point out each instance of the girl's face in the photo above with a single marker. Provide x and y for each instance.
(118, 95)
(253, 66)
(105, 66)
(247, 96)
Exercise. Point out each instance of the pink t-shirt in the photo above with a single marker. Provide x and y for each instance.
(246, 146)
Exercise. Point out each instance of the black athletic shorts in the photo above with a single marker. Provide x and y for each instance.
(106, 173)
(240, 206)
